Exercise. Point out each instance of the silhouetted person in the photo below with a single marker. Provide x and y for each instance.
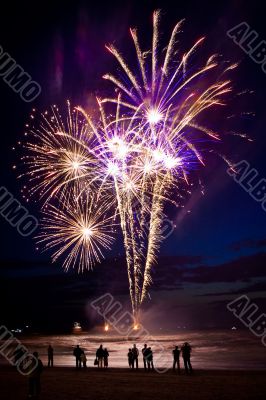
(130, 358)
(105, 358)
(145, 353)
(77, 353)
(186, 353)
(135, 352)
(50, 352)
(176, 356)
(149, 358)
(99, 356)
(83, 359)
(35, 379)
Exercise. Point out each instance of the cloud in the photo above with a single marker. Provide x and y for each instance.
(184, 286)
(256, 287)
(242, 269)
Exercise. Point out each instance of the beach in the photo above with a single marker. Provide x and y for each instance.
(227, 365)
(64, 383)
(211, 350)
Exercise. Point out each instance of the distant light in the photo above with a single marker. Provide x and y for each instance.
(154, 116)
(77, 326)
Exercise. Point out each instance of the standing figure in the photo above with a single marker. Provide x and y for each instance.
(150, 359)
(35, 379)
(105, 358)
(99, 356)
(50, 352)
(135, 352)
(144, 353)
(176, 356)
(77, 353)
(186, 353)
(83, 359)
(130, 358)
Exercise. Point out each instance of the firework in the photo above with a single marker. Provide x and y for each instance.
(127, 162)
(58, 157)
(165, 98)
(78, 231)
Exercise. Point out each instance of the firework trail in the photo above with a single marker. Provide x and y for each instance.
(125, 163)
(165, 99)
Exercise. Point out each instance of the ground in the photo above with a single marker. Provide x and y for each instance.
(117, 384)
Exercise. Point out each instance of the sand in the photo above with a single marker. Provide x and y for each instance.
(61, 383)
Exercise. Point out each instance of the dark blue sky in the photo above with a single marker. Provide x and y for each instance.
(218, 247)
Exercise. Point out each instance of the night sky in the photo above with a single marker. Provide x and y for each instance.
(217, 250)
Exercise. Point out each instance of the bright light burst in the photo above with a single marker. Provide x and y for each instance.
(78, 232)
(153, 116)
(58, 157)
(128, 162)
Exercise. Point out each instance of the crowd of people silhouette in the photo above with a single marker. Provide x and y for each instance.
(101, 361)
(102, 355)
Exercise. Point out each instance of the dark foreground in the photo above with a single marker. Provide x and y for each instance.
(120, 384)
